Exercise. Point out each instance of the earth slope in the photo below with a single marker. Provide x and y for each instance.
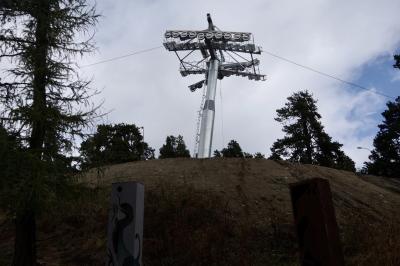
(250, 182)
(217, 212)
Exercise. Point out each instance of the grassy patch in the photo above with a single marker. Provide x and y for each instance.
(370, 242)
(187, 226)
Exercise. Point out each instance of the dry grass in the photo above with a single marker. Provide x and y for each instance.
(244, 220)
(185, 226)
(370, 242)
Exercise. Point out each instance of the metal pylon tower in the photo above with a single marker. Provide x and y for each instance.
(223, 55)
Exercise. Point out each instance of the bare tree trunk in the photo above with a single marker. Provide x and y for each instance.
(25, 239)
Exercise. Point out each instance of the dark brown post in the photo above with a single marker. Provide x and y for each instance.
(315, 221)
(125, 225)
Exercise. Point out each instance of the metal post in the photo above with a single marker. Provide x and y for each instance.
(212, 44)
(317, 229)
(125, 224)
(207, 120)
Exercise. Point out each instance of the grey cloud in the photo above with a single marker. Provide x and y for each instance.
(337, 37)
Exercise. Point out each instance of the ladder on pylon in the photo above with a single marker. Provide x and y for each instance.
(200, 114)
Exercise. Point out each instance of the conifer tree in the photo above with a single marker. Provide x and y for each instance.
(397, 61)
(113, 144)
(248, 155)
(232, 150)
(44, 103)
(217, 154)
(259, 155)
(305, 140)
(174, 147)
(385, 157)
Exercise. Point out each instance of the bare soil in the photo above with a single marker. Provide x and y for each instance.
(250, 182)
(218, 212)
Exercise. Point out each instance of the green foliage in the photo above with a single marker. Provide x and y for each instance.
(259, 155)
(174, 147)
(44, 101)
(44, 105)
(275, 157)
(397, 63)
(10, 171)
(306, 140)
(232, 150)
(16, 166)
(113, 144)
(217, 154)
(385, 158)
(248, 155)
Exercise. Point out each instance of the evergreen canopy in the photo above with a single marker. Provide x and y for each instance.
(305, 140)
(113, 144)
(44, 103)
(232, 150)
(385, 158)
(174, 147)
(397, 61)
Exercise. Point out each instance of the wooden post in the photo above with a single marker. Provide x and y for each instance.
(315, 221)
(125, 225)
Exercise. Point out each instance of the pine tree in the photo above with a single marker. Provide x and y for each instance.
(44, 103)
(113, 144)
(259, 155)
(248, 155)
(11, 169)
(174, 147)
(232, 150)
(217, 154)
(397, 63)
(385, 157)
(306, 140)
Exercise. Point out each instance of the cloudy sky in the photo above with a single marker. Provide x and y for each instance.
(353, 39)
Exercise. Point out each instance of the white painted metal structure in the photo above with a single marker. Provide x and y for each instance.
(208, 115)
(214, 45)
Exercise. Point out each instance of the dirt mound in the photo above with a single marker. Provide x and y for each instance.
(250, 182)
(217, 212)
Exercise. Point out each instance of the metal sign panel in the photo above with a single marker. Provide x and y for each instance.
(125, 225)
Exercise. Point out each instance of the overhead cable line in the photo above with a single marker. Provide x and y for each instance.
(123, 56)
(352, 84)
(329, 76)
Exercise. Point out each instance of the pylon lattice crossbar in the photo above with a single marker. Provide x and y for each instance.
(222, 54)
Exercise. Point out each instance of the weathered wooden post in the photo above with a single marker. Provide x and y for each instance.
(125, 225)
(316, 225)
